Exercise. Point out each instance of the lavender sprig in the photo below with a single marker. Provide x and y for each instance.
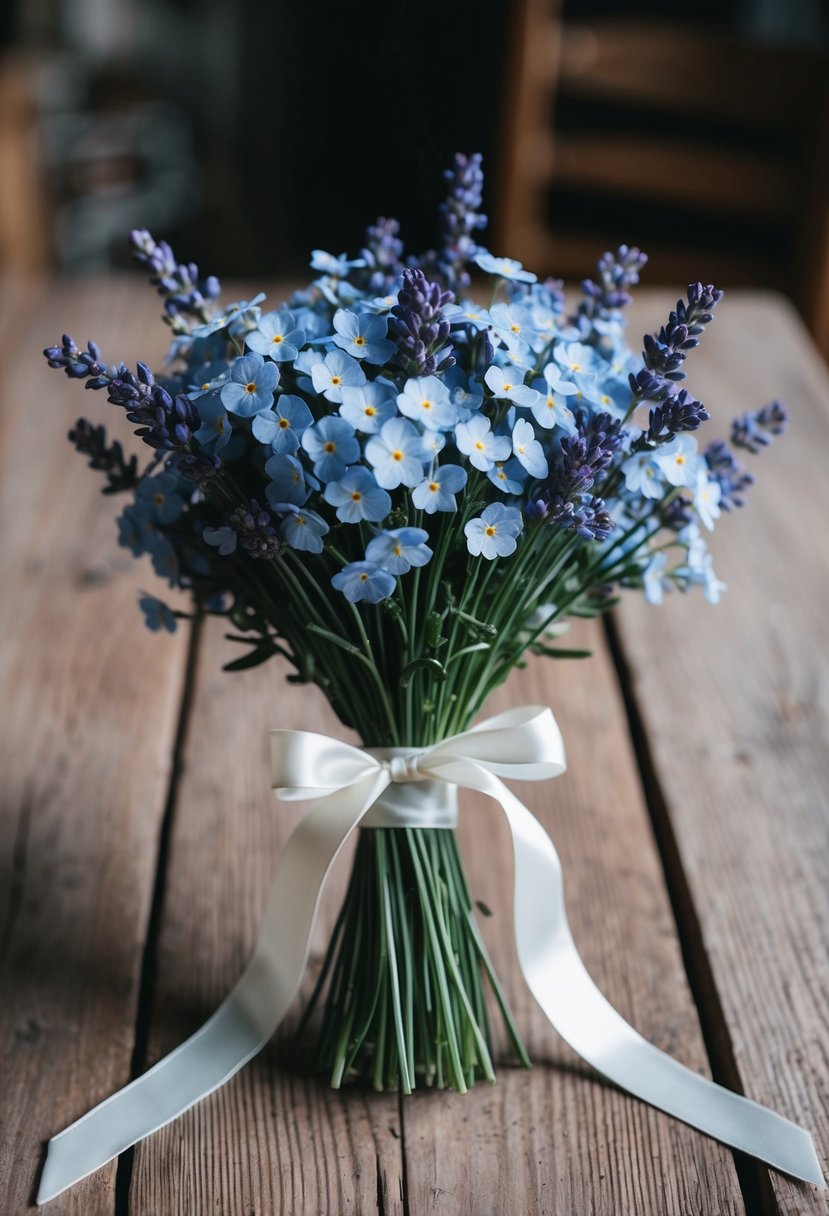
(187, 299)
(460, 217)
(618, 272)
(382, 253)
(757, 429)
(725, 469)
(417, 327)
(255, 531)
(666, 351)
(91, 441)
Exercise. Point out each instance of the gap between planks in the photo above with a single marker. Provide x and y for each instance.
(149, 961)
(753, 1177)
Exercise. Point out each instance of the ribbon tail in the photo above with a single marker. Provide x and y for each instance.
(243, 1024)
(575, 1007)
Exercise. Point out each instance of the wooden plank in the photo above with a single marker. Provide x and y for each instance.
(90, 703)
(557, 1138)
(270, 1140)
(735, 709)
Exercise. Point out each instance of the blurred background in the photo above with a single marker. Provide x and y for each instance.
(249, 133)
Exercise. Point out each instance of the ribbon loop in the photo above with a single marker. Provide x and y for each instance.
(406, 787)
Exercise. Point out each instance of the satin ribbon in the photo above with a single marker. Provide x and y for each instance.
(417, 788)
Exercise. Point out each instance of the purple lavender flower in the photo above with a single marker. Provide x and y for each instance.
(618, 272)
(677, 412)
(586, 454)
(724, 468)
(382, 253)
(585, 514)
(187, 299)
(417, 327)
(460, 217)
(757, 429)
(255, 530)
(91, 441)
(666, 351)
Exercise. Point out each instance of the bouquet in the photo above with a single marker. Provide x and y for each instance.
(403, 480)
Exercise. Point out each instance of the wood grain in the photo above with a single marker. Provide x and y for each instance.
(90, 702)
(558, 1136)
(270, 1140)
(736, 711)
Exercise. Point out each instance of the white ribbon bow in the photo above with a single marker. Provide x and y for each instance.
(522, 744)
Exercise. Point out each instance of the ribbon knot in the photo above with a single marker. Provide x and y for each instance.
(403, 768)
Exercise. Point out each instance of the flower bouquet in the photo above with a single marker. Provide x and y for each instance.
(403, 483)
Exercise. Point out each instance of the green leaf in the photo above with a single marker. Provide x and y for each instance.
(259, 654)
(554, 652)
(334, 639)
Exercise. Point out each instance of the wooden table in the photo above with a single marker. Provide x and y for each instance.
(139, 835)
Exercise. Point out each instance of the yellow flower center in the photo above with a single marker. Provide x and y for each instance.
(478, 445)
(250, 388)
(356, 496)
(489, 530)
(158, 499)
(284, 424)
(277, 338)
(359, 340)
(370, 411)
(336, 380)
(434, 487)
(364, 577)
(398, 455)
(397, 551)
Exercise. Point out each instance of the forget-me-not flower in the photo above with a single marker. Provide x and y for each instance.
(493, 533)
(508, 476)
(277, 335)
(157, 615)
(356, 495)
(251, 386)
(301, 528)
(437, 491)
(157, 498)
(576, 358)
(528, 451)
(283, 426)
(476, 440)
(215, 430)
(337, 267)
(654, 580)
(288, 481)
(395, 453)
(363, 581)
(643, 475)
(505, 385)
(369, 406)
(400, 549)
(427, 399)
(332, 445)
(334, 373)
(707, 495)
(505, 268)
(678, 461)
(224, 539)
(363, 335)
(551, 409)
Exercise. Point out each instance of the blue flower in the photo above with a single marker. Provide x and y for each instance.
(224, 539)
(465, 391)
(512, 322)
(707, 495)
(251, 386)
(363, 336)
(504, 385)
(643, 476)
(476, 440)
(679, 461)
(395, 454)
(338, 267)
(301, 529)
(239, 316)
(204, 380)
(427, 399)
(369, 406)
(508, 477)
(288, 481)
(400, 549)
(164, 558)
(505, 268)
(492, 534)
(332, 446)
(551, 409)
(357, 496)
(277, 335)
(528, 450)
(336, 372)
(468, 314)
(576, 358)
(215, 430)
(363, 581)
(157, 498)
(157, 615)
(654, 580)
(558, 382)
(135, 532)
(283, 426)
(437, 492)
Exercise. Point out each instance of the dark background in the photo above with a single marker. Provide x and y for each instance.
(250, 133)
